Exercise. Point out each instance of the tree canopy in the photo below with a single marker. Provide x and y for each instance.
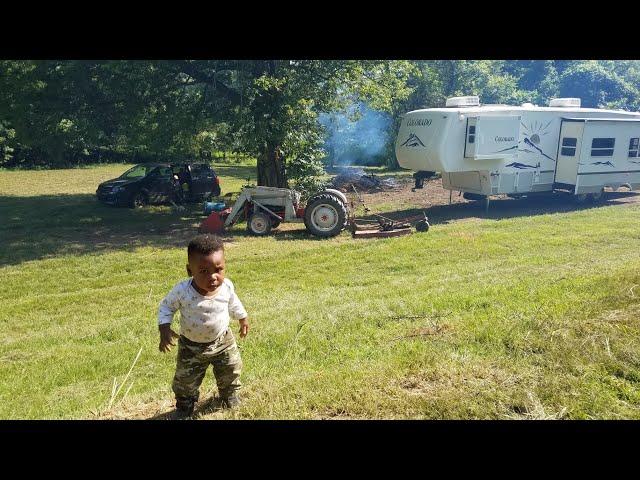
(56, 113)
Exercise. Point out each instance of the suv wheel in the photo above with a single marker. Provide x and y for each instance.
(139, 200)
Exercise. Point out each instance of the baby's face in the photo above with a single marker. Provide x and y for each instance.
(207, 270)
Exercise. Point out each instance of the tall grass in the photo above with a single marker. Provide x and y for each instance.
(521, 317)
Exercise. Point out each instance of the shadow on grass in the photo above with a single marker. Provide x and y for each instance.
(299, 233)
(44, 226)
(504, 208)
(50, 225)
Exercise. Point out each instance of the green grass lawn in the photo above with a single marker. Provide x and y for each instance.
(520, 317)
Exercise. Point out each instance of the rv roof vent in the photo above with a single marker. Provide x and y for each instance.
(527, 105)
(565, 102)
(472, 101)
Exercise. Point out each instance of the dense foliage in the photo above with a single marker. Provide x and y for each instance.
(57, 113)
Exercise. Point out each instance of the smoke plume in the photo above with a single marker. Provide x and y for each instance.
(356, 136)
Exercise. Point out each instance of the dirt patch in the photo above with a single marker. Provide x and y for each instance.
(425, 332)
(456, 383)
(444, 206)
(336, 414)
(206, 408)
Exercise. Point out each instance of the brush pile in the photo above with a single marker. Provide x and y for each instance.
(363, 182)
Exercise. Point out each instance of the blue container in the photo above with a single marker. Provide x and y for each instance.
(210, 207)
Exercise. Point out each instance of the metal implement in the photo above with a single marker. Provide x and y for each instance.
(386, 227)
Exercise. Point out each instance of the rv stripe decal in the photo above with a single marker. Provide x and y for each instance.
(506, 149)
(608, 173)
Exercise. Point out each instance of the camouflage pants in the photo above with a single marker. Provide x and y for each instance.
(193, 361)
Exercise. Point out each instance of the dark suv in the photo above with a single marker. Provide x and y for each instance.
(159, 183)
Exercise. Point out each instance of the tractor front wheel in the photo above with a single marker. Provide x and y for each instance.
(259, 224)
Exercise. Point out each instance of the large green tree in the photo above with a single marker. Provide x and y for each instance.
(62, 111)
(267, 108)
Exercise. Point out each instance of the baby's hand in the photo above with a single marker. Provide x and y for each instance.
(166, 337)
(244, 327)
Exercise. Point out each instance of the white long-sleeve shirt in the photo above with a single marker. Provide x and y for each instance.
(202, 319)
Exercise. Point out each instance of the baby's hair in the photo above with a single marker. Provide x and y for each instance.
(205, 244)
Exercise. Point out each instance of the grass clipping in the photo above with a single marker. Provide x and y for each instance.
(117, 388)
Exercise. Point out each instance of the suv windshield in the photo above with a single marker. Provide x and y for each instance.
(138, 171)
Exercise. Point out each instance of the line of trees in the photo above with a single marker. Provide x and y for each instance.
(70, 112)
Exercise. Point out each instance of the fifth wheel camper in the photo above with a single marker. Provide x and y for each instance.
(484, 150)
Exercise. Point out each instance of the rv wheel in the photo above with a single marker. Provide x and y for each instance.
(422, 226)
(598, 197)
(259, 224)
(581, 198)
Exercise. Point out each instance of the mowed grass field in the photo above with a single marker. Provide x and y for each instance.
(479, 318)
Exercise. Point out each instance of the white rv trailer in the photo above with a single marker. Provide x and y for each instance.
(484, 150)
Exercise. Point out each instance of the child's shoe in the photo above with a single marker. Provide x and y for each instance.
(181, 414)
(231, 401)
(183, 411)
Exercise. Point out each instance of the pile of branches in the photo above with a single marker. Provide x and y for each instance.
(363, 182)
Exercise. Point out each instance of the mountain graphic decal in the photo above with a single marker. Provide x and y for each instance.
(532, 145)
(526, 150)
(603, 163)
(412, 141)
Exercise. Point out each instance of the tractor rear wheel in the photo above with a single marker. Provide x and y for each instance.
(325, 215)
(259, 224)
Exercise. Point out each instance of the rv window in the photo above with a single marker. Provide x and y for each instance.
(472, 133)
(633, 147)
(603, 143)
(569, 147)
(602, 147)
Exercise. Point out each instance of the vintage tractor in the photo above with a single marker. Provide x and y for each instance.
(325, 214)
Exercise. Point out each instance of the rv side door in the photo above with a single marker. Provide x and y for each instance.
(569, 151)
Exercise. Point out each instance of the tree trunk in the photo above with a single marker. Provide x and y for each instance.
(271, 169)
